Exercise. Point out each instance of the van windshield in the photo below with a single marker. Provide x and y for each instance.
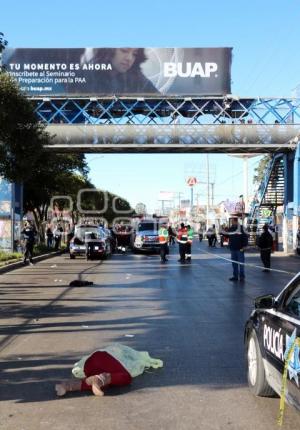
(147, 226)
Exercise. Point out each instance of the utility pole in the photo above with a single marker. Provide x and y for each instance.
(246, 188)
(179, 199)
(212, 193)
(192, 197)
(208, 194)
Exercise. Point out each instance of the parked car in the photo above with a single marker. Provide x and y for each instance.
(271, 329)
(100, 245)
(91, 241)
(77, 247)
(123, 234)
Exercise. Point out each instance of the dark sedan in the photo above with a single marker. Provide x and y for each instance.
(271, 335)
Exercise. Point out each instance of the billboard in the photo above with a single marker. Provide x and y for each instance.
(5, 198)
(121, 71)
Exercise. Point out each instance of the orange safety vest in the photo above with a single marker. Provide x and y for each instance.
(163, 235)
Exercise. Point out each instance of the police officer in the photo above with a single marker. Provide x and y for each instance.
(188, 251)
(265, 243)
(238, 241)
(163, 235)
(182, 238)
(29, 234)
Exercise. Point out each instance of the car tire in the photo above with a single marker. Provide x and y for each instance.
(256, 374)
(72, 257)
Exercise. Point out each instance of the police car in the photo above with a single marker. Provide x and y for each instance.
(272, 328)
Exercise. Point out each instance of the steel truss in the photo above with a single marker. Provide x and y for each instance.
(207, 124)
(155, 111)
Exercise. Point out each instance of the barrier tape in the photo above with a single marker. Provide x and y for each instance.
(288, 357)
(248, 264)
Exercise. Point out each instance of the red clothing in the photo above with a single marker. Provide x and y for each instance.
(182, 235)
(102, 362)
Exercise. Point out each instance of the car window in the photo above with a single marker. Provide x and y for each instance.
(82, 231)
(147, 226)
(292, 303)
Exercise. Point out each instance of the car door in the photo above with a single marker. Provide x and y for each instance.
(277, 328)
(289, 310)
(272, 329)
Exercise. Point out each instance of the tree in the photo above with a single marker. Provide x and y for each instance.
(66, 175)
(260, 170)
(116, 206)
(22, 136)
(55, 174)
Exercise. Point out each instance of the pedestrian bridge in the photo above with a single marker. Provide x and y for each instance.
(213, 138)
(227, 124)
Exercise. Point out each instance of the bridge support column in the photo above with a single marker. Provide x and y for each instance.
(296, 199)
(290, 165)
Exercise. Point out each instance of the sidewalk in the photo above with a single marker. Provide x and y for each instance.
(12, 266)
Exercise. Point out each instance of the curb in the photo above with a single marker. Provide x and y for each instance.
(18, 264)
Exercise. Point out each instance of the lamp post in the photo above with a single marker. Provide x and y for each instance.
(208, 196)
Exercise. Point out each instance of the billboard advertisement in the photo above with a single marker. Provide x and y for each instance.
(121, 71)
(5, 198)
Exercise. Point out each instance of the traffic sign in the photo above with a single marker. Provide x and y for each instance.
(191, 181)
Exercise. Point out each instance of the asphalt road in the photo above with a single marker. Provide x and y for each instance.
(191, 317)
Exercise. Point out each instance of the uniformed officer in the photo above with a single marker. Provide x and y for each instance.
(182, 238)
(29, 234)
(188, 251)
(163, 235)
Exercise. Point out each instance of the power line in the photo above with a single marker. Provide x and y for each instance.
(237, 174)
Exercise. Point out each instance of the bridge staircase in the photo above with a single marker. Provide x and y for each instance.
(269, 196)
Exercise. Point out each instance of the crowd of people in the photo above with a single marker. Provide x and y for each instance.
(235, 236)
(184, 236)
(237, 239)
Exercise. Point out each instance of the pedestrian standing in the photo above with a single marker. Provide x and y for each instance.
(209, 235)
(238, 240)
(190, 236)
(49, 235)
(171, 235)
(29, 234)
(57, 236)
(163, 236)
(214, 236)
(200, 233)
(182, 238)
(265, 243)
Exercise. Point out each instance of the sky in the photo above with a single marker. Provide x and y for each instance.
(266, 62)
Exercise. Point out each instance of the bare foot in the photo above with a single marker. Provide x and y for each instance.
(60, 389)
(96, 382)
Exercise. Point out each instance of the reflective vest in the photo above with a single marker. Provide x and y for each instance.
(190, 234)
(163, 235)
(182, 235)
